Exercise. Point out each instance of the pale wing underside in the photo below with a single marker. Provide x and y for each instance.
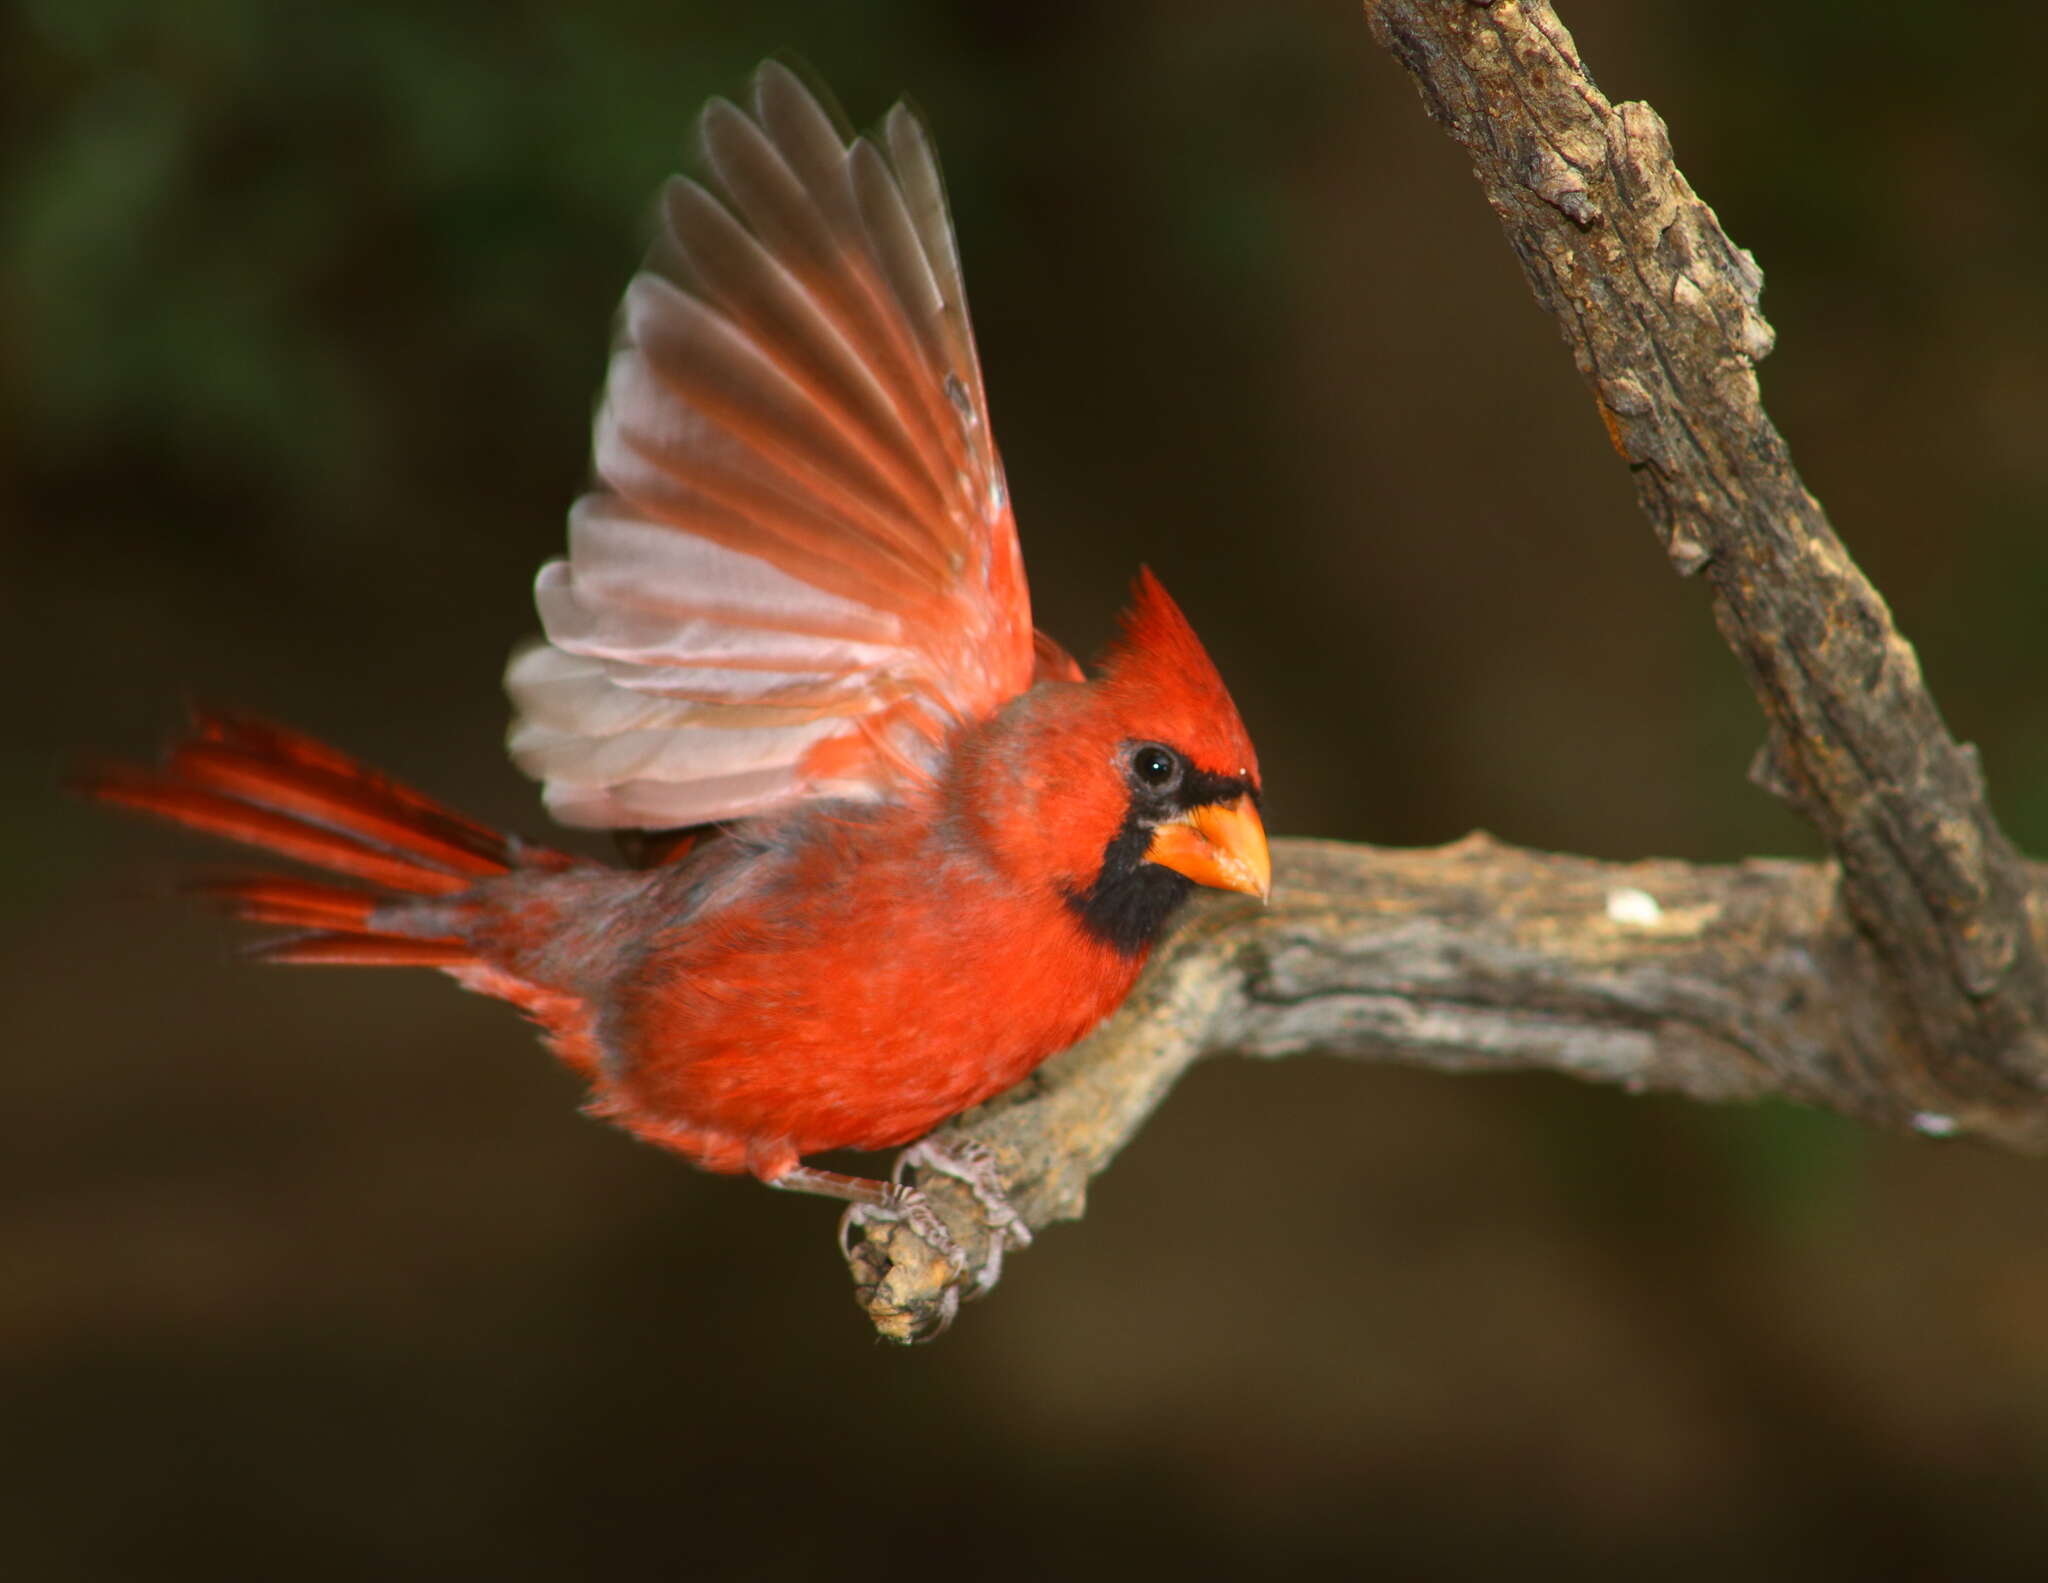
(799, 570)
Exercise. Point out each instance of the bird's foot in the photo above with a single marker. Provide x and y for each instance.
(907, 1207)
(912, 1284)
(973, 1165)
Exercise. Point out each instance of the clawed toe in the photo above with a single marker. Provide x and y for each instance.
(910, 1208)
(973, 1165)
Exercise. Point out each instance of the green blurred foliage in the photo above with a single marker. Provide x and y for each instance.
(205, 186)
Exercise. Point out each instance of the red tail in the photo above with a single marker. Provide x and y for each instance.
(269, 787)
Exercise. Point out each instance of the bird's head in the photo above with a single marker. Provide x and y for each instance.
(1126, 791)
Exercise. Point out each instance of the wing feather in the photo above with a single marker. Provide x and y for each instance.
(798, 572)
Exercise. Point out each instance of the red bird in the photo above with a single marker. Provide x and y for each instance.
(793, 610)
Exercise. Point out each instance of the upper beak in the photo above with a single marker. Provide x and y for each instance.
(1221, 844)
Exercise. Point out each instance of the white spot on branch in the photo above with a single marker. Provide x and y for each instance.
(1632, 908)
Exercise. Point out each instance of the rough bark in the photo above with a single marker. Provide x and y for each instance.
(1659, 308)
(1905, 983)
(1718, 982)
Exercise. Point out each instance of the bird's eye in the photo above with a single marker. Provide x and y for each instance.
(1155, 766)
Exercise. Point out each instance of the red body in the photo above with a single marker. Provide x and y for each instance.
(845, 976)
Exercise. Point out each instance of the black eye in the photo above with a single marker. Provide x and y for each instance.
(1154, 765)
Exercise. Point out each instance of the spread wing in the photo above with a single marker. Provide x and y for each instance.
(798, 571)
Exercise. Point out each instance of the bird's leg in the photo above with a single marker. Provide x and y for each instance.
(870, 1202)
(974, 1166)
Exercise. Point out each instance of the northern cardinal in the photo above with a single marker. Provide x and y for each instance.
(928, 852)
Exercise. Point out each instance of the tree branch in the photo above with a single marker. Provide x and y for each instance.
(1906, 983)
(1717, 982)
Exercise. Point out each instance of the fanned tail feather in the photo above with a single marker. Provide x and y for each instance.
(288, 902)
(368, 950)
(268, 787)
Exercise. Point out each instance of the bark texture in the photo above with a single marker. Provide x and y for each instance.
(1905, 983)
(1659, 308)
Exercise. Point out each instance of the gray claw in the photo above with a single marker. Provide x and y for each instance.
(911, 1209)
(974, 1166)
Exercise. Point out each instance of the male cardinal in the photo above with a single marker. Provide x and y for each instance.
(926, 853)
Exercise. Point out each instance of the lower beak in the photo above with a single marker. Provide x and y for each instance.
(1221, 844)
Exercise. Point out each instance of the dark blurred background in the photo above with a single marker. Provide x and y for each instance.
(304, 1275)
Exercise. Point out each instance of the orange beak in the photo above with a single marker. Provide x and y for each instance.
(1222, 844)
